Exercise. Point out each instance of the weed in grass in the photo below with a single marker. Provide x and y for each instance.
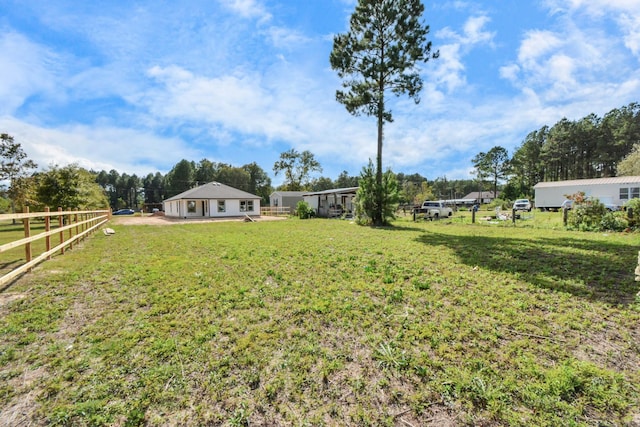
(240, 417)
(421, 284)
(390, 357)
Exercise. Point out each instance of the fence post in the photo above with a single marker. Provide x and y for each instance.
(47, 228)
(77, 225)
(60, 224)
(565, 216)
(70, 221)
(27, 233)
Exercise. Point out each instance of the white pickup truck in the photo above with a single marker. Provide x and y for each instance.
(434, 210)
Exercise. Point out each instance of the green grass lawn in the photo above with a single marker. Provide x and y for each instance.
(323, 322)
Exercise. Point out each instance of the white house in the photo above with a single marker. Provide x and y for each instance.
(482, 197)
(212, 200)
(332, 203)
(616, 190)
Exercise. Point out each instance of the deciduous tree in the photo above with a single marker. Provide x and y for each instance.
(14, 165)
(297, 168)
(70, 187)
(630, 165)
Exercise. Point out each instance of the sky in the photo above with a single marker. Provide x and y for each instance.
(139, 85)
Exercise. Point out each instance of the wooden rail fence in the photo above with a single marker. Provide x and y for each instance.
(275, 210)
(72, 227)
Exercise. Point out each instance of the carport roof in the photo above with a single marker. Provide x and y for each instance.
(347, 190)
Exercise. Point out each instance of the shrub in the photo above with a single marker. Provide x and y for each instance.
(633, 213)
(366, 202)
(587, 215)
(591, 215)
(613, 221)
(304, 210)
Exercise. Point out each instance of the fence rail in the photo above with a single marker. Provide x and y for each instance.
(275, 210)
(72, 227)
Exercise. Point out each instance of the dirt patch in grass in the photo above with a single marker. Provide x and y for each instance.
(164, 220)
(6, 298)
(22, 408)
(610, 348)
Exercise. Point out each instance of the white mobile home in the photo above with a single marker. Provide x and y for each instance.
(212, 200)
(332, 203)
(617, 190)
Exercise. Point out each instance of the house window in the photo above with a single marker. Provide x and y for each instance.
(246, 205)
(624, 194)
(221, 206)
(635, 192)
(191, 206)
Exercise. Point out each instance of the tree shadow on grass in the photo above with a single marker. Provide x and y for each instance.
(594, 270)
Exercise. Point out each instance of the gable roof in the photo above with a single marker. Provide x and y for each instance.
(483, 195)
(593, 181)
(213, 190)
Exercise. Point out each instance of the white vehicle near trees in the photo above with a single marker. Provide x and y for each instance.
(435, 209)
(522, 205)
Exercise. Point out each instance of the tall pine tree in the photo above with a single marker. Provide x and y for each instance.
(378, 55)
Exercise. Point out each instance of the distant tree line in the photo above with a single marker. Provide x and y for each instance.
(71, 186)
(591, 147)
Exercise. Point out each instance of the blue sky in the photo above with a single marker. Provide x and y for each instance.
(139, 85)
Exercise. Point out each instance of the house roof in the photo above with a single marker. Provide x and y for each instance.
(346, 190)
(483, 195)
(288, 193)
(594, 181)
(213, 190)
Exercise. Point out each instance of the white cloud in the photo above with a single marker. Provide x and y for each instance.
(535, 46)
(474, 33)
(248, 9)
(96, 147)
(282, 37)
(631, 24)
(450, 66)
(626, 13)
(25, 71)
(510, 72)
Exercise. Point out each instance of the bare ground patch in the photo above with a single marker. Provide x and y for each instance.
(164, 220)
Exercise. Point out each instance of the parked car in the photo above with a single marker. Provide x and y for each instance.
(567, 204)
(124, 212)
(522, 205)
(608, 206)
